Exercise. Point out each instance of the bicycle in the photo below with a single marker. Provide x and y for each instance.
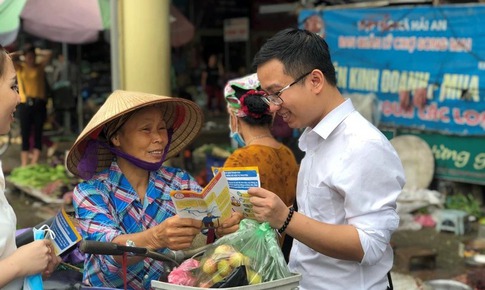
(176, 258)
(108, 248)
(70, 277)
(173, 259)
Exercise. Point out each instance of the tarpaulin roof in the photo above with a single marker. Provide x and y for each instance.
(72, 21)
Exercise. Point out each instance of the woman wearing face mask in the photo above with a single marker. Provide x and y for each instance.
(250, 123)
(34, 257)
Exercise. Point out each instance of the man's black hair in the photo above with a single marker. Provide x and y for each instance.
(300, 51)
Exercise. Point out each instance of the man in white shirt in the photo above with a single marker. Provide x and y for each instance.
(349, 179)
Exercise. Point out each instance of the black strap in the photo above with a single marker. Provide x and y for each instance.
(390, 287)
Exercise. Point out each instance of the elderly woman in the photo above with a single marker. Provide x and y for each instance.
(126, 196)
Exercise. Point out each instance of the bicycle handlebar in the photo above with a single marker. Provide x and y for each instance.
(105, 248)
(108, 248)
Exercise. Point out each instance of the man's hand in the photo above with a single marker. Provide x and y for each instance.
(268, 207)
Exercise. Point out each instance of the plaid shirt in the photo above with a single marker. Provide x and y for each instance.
(107, 206)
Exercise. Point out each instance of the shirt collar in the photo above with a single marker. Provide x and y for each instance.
(118, 180)
(114, 173)
(325, 127)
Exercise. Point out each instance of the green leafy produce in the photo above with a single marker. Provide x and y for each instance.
(39, 175)
(466, 203)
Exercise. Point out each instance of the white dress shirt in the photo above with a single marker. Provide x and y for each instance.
(350, 174)
(8, 225)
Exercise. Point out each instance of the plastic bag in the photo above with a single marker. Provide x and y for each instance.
(34, 282)
(254, 247)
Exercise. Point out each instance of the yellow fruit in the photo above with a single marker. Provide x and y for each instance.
(254, 278)
(217, 278)
(236, 259)
(210, 266)
(223, 249)
(223, 268)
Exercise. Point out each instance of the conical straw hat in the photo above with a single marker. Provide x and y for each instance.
(183, 116)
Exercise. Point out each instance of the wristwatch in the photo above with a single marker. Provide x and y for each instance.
(130, 243)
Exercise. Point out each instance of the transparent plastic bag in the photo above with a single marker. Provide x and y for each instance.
(254, 248)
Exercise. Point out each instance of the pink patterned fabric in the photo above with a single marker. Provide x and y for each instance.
(182, 275)
(70, 21)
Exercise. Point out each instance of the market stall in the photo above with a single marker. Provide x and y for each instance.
(44, 182)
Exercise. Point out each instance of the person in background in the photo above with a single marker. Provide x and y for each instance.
(33, 98)
(125, 198)
(250, 123)
(314, 23)
(348, 181)
(35, 257)
(210, 81)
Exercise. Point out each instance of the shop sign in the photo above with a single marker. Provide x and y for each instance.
(457, 158)
(435, 54)
(236, 29)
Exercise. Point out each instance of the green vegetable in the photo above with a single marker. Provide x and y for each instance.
(39, 175)
(466, 203)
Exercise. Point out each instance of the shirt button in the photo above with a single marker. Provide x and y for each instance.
(146, 277)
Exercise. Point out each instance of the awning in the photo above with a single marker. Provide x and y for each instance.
(72, 21)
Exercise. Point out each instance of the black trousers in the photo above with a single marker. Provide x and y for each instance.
(32, 116)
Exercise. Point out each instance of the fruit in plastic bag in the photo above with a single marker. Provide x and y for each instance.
(237, 259)
(254, 277)
(254, 248)
(209, 266)
(222, 266)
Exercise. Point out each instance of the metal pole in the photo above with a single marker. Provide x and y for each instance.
(114, 39)
(80, 106)
(65, 75)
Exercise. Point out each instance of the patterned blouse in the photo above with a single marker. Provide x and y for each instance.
(107, 206)
(278, 169)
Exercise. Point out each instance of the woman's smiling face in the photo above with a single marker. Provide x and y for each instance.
(144, 135)
(9, 95)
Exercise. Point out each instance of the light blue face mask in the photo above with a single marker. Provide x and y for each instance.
(34, 282)
(236, 136)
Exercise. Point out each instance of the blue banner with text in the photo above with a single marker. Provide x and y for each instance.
(425, 64)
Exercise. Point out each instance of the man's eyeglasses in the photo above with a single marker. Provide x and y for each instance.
(275, 98)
